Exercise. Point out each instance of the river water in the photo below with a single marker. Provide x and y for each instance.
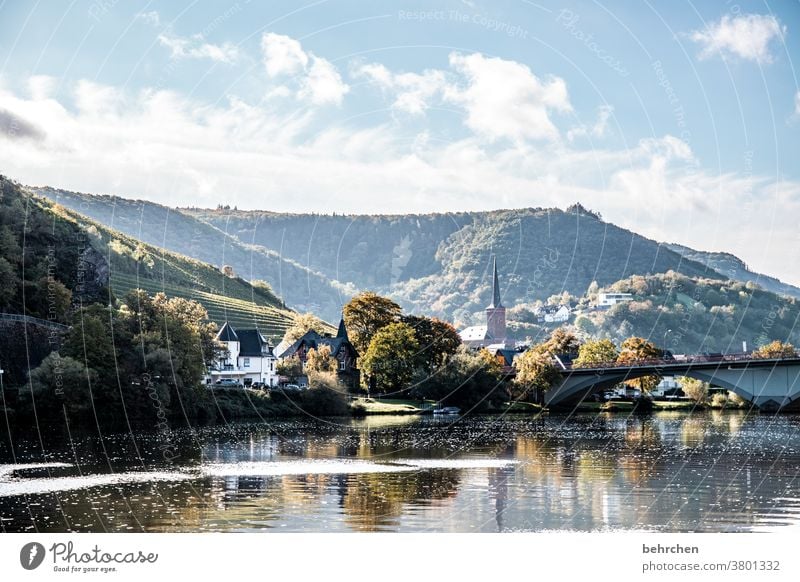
(704, 471)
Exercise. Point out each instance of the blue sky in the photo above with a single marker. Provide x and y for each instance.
(678, 120)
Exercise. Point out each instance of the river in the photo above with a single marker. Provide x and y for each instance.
(704, 471)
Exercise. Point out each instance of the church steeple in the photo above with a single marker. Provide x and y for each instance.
(495, 285)
(496, 313)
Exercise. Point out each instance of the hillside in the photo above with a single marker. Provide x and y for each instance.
(734, 268)
(301, 288)
(693, 315)
(55, 235)
(437, 263)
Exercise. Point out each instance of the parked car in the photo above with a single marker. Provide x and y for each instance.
(228, 382)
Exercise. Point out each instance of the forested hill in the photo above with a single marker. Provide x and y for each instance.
(299, 287)
(40, 238)
(732, 267)
(438, 263)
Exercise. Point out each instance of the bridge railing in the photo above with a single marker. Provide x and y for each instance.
(693, 359)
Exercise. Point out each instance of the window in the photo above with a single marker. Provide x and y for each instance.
(342, 364)
(246, 362)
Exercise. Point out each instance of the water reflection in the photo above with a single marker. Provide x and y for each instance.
(714, 471)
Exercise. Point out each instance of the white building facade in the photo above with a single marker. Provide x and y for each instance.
(609, 299)
(250, 359)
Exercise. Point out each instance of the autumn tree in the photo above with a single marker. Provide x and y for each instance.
(391, 357)
(636, 349)
(291, 368)
(775, 349)
(365, 314)
(536, 374)
(560, 343)
(301, 325)
(693, 388)
(596, 352)
(320, 360)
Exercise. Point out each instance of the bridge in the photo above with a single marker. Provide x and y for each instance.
(30, 320)
(770, 384)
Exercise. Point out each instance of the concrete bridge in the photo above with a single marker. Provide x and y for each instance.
(770, 384)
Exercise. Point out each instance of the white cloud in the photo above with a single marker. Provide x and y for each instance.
(504, 99)
(317, 79)
(161, 146)
(282, 55)
(195, 47)
(598, 130)
(41, 86)
(412, 92)
(747, 37)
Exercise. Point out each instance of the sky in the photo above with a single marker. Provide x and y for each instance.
(678, 120)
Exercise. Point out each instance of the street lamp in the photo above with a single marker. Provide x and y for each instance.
(666, 333)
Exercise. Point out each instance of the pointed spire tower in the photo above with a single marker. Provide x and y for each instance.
(496, 313)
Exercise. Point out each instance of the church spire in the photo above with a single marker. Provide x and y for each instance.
(495, 285)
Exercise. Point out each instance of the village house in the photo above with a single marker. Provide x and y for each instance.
(249, 361)
(341, 350)
(552, 313)
(610, 299)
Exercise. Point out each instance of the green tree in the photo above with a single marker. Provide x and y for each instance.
(63, 380)
(596, 352)
(775, 349)
(9, 283)
(391, 357)
(437, 340)
(302, 324)
(365, 314)
(468, 379)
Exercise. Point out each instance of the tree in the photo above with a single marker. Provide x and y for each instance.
(64, 380)
(596, 352)
(468, 379)
(391, 356)
(365, 314)
(775, 349)
(320, 361)
(437, 340)
(635, 349)
(291, 368)
(536, 374)
(560, 343)
(301, 325)
(9, 282)
(693, 388)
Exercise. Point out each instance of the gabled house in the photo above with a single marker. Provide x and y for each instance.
(552, 313)
(341, 350)
(250, 358)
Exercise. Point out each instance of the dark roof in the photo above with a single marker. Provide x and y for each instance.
(495, 285)
(342, 331)
(314, 341)
(227, 334)
(252, 343)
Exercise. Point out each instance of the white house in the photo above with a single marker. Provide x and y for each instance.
(552, 313)
(250, 358)
(609, 299)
